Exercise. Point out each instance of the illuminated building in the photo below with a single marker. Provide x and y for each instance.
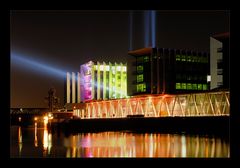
(96, 82)
(161, 70)
(219, 67)
(103, 81)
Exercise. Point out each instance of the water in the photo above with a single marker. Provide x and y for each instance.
(35, 142)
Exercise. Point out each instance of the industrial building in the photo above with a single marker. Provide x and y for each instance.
(163, 70)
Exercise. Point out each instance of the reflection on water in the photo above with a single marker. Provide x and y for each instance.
(35, 135)
(20, 140)
(122, 144)
(114, 144)
(47, 140)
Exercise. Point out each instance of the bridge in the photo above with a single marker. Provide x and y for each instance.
(163, 105)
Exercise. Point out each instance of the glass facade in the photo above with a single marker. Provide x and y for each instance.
(164, 70)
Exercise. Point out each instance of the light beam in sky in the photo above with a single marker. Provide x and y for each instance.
(34, 65)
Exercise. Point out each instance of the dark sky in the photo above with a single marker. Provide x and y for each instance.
(63, 40)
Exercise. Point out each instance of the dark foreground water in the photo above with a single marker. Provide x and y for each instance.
(35, 142)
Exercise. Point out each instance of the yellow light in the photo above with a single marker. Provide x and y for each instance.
(19, 119)
(45, 119)
(35, 118)
(50, 116)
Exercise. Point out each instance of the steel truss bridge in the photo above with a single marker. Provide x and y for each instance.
(165, 105)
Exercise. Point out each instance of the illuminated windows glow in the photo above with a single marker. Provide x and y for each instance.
(140, 78)
(183, 58)
(139, 68)
(189, 86)
(184, 86)
(178, 86)
(178, 57)
(194, 86)
(199, 86)
(205, 87)
(141, 87)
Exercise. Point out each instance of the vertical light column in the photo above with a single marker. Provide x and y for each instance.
(68, 87)
(98, 81)
(121, 83)
(110, 80)
(116, 81)
(93, 81)
(104, 81)
(125, 80)
(78, 88)
(73, 88)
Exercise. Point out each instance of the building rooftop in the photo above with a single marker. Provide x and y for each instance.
(142, 51)
(221, 36)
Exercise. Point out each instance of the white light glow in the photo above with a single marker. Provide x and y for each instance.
(209, 78)
(118, 68)
(101, 67)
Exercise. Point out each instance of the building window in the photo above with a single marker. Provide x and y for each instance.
(205, 87)
(219, 64)
(184, 86)
(189, 86)
(140, 78)
(183, 57)
(199, 86)
(219, 84)
(189, 58)
(178, 57)
(219, 71)
(178, 86)
(195, 58)
(194, 86)
(139, 68)
(141, 87)
(146, 58)
(219, 50)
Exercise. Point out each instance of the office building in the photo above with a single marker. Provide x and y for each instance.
(163, 70)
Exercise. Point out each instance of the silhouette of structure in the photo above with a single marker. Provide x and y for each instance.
(53, 101)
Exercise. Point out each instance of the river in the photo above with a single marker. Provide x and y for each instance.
(40, 142)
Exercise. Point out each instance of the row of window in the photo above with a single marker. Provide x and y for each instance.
(182, 77)
(191, 58)
(191, 86)
(143, 59)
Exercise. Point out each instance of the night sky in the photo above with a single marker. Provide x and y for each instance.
(46, 44)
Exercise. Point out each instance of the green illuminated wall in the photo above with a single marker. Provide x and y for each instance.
(113, 82)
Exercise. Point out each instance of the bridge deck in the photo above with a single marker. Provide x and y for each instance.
(193, 104)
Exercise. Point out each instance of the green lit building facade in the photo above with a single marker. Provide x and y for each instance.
(160, 70)
(101, 81)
